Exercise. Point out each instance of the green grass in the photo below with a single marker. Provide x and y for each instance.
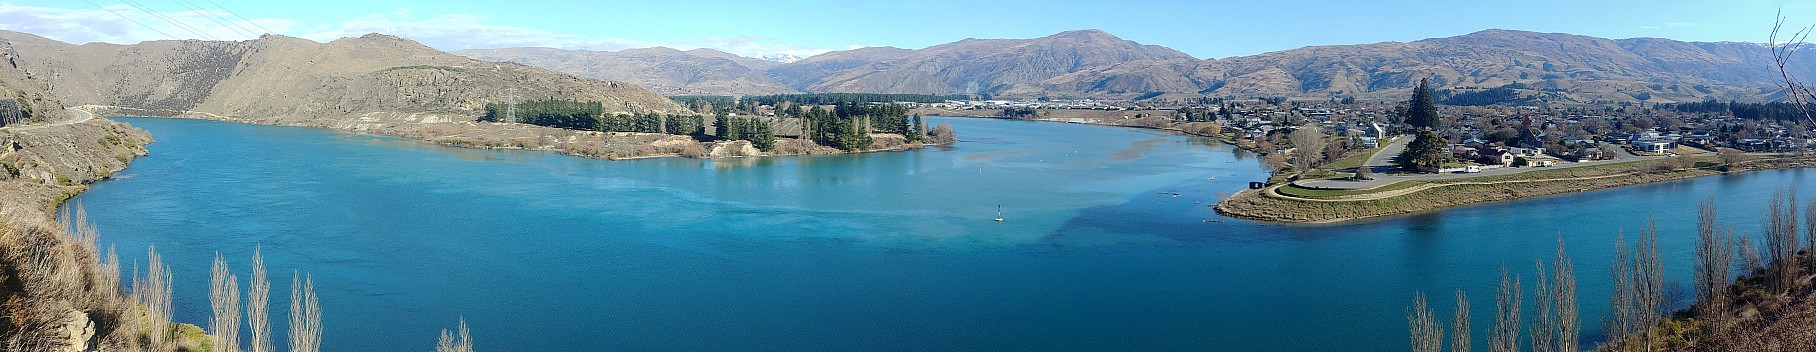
(1302, 192)
(1353, 160)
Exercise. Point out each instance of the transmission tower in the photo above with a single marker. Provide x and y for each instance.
(510, 110)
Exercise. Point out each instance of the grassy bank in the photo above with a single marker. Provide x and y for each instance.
(1304, 205)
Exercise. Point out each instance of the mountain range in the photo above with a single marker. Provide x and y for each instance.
(285, 80)
(1096, 64)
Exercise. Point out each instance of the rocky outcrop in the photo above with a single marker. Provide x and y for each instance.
(76, 331)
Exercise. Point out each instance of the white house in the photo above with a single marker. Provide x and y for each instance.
(1654, 145)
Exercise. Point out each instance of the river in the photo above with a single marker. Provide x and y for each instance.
(1108, 243)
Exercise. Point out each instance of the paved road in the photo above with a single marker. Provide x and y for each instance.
(1383, 160)
(80, 117)
(1382, 163)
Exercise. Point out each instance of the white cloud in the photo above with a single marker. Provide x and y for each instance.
(128, 24)
(457, 32)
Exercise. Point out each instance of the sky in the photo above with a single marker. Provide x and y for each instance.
(1204, 29)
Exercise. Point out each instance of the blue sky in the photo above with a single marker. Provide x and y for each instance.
(1206, 29)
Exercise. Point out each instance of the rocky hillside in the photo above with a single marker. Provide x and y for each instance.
(992, 65)
(966, 66)
(663, 70)
(1562, 67)
(1569, 67)
(292, 81)
(23, 97)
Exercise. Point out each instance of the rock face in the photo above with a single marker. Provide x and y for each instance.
(284, 80)
(77, 330)
(23, 97)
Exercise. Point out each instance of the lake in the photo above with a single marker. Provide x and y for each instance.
(1108, 243)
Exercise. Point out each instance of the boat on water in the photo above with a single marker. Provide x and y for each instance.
(999, 213)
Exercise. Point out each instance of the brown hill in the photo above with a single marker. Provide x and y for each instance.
(285, 80)
(992, 65)
(1092, 63)
(23, 97)
(966, 66)
(1572, 67)
(667, 71)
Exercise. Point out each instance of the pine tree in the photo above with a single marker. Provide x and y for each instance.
(1421, 112)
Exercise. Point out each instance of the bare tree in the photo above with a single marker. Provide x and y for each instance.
(1781, 238)
(1650, 282)
(153, 290)
(1714, 255)
(1731, 157)
(305, 315)
(1563, 296)
(451, 343)
(1750, 254)
(1506, 334)
(1809, 233)
(1459, 327)
(1622, 297)
(1544, 323)
(1427, 334)
(1796, 92)
(1308, 148)
(258, 305)
(224, 295)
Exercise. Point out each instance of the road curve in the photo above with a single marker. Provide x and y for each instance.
(80, 117)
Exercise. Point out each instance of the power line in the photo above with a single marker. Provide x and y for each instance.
(210, 17)
(129, 18)
(185, 27)
(242, 18)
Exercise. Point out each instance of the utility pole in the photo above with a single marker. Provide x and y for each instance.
(510, 114)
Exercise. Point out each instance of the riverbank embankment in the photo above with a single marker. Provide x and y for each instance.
(464, 132)
(1292, 204)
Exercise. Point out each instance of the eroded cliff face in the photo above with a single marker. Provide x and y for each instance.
(23, 97)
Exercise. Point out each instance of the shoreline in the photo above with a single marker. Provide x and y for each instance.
(1267, 205)
(1223, 138)
(501, 136)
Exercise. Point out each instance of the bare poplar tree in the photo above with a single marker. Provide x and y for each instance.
(1620, 304)
(1427, 334)
(451, 343)
(1459, 328)
(305, 316)
(1714, 255)
(1563, 297)
(1506, 334)
(1750, 254)
(224, 295)
(258, 305)
(1781, 238)
(1650, 282)
(153, 290)
(1543, 324)
(1809, 233)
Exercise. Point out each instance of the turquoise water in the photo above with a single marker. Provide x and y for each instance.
(885, 251)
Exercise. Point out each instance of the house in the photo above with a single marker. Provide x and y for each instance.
(1590, 153)
(1462, 152)
(1496, 156)
(1370, 142)
(1658, 146)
